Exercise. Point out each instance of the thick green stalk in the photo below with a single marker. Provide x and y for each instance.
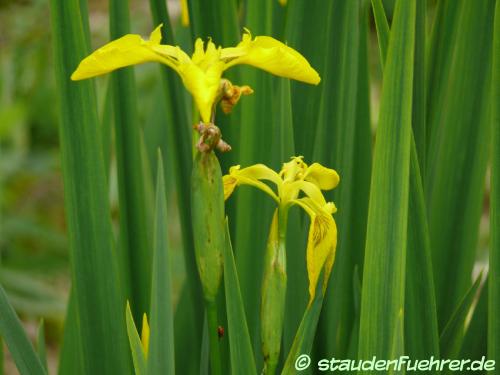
(272, 309)
(494, 274)
(207, 202)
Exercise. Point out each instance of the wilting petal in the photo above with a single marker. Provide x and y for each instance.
(321, 243)
(271, 55)
(324, 178)
(145, 335)
(251, 176)
(128, 50)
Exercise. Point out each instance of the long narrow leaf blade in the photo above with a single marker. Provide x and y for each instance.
(40, 345)
(13, 334)
(494, 275)
(189, 312)
(335, 147)
(452, 336)
(384, 269)
(242, 358)
(134, 240)
(98, 295)
(138, 357)
(459, 133)
(161, 345)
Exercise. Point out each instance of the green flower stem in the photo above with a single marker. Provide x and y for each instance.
(213, 326)
(209, 238)
(274, 291)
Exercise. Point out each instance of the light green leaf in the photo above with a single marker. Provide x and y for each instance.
(161, 345)
(40, 345)
(242, 358)
(138, 357)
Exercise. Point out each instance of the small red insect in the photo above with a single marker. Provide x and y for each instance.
(220, 331)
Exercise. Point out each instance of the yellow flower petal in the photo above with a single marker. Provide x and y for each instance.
(128, 50)
(310, 190)
(145, 335)
(271, 55)
(203, 86)
(229, 183)
(324, 178)
(321, 243)
(155, 36)
(330, 260)
(252, 176)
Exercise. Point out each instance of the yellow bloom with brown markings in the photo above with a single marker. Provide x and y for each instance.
(302, 185)
(202, 72)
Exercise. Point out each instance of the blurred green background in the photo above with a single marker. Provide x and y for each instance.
(33, 247)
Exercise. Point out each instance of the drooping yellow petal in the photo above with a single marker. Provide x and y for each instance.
(321, 243)
(203, 86)
(128, 50)
(271, 55)
(330, 260)
(324, 178)
(251, 176)
(145, 335)
(229, 183)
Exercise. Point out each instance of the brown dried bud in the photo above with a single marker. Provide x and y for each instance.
(231, 95)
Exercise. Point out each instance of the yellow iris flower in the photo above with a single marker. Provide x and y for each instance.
(299, 184)
(202, 72)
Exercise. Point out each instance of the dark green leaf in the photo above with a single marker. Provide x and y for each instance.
(97, 290)
(382, 300)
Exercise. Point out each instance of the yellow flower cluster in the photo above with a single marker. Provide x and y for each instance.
(202, 72)
(296, 178)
